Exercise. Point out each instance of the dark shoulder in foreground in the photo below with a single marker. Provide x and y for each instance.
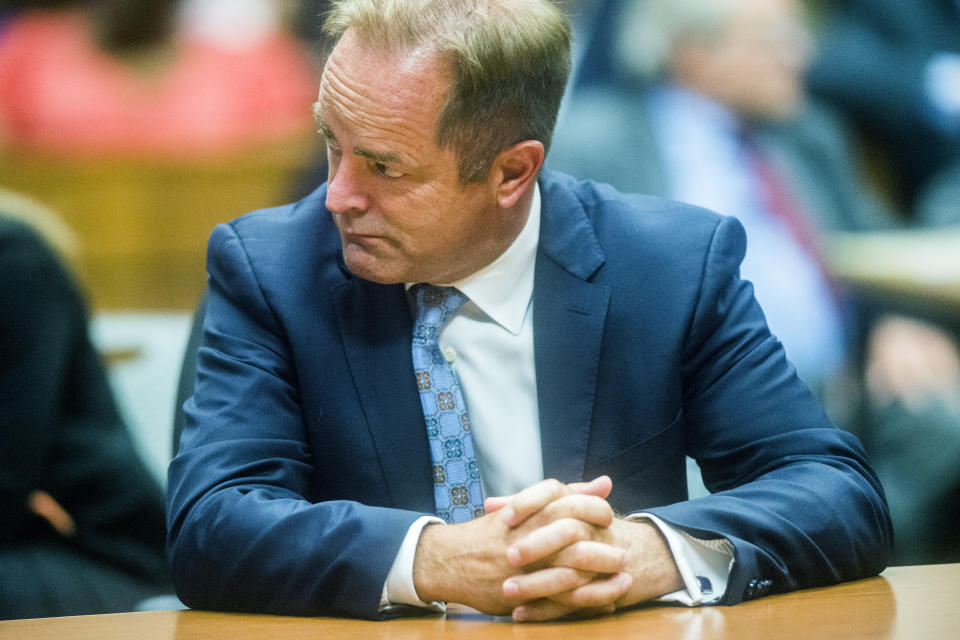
(17, 233)
(29, 263)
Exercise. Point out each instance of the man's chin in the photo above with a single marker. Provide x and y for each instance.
(374, 270)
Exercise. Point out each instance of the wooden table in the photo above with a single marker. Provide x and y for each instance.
(905, 602)
(921, 266)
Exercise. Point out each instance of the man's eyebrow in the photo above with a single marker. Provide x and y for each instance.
(327, 132)
(322, 127)
(378, 156)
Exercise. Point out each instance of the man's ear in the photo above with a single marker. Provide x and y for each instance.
(514, 170)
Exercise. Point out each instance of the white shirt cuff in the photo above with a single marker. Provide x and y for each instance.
(704, 565)
(399, 588)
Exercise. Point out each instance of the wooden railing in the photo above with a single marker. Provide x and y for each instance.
(142, 224)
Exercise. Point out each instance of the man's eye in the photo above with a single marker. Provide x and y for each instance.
(384, 170)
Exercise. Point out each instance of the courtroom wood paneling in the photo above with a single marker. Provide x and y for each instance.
(142, 224)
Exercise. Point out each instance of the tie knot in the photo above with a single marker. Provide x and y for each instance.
(436, 305)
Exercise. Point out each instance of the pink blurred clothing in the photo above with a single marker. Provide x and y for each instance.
(60, 93)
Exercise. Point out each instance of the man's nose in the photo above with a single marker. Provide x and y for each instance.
(346, 189)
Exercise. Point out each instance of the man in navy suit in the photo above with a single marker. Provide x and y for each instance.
(605, 337)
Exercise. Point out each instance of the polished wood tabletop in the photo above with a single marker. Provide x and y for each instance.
(903, 603)
(921, 266)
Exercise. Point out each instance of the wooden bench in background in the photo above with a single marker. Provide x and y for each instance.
(142, 224)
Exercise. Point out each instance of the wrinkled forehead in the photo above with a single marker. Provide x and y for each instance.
(388, 70)
(380, 100)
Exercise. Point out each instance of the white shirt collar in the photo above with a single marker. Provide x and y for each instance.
(503, 288)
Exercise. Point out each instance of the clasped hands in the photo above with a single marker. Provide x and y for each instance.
(549, 551)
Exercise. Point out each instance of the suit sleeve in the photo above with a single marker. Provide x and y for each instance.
(243, 535)
(793, 494)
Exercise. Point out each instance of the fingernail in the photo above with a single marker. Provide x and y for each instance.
(507, 515)
(519, 614)
(513, 556)
(626, 581)
(511, 588)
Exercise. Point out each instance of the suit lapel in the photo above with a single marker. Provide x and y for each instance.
(569, 316)
(375, 326)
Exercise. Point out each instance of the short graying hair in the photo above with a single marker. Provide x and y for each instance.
(510, 60)
(651, 29)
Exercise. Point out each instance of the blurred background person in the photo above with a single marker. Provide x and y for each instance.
(155, 119)
(893, 67)
(710, 112)
(144, 123)
(151, 76)
(711, 109)
(83, 522)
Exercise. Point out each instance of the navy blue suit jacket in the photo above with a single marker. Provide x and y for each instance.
(304, 459)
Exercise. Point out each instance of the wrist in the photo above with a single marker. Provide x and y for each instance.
(429, 567)
(649, 562)
(464, 563)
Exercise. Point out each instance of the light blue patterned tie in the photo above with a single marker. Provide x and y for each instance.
(456, 478)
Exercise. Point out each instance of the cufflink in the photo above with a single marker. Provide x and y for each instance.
(706, 587)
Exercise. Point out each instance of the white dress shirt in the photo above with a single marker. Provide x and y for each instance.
(489, 343)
